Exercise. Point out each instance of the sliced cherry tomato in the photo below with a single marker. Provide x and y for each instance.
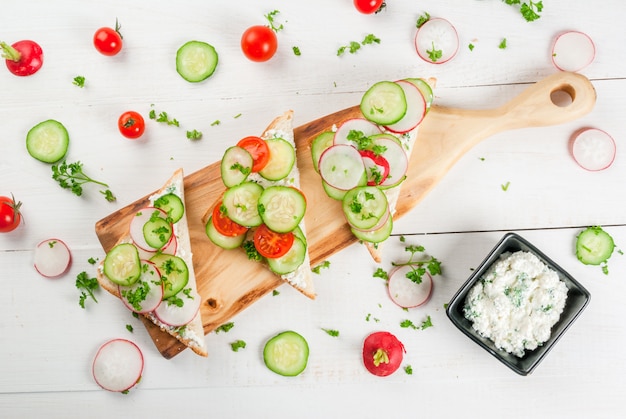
(224, 225)
(369, 6)
(23, 58)
(259, 43)
(258, 149)
(108, 41)
(382, 353)
(10, 216)
(131, 124)
(377, 167)
(271, 244)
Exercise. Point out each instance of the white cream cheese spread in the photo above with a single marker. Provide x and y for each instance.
(516, 302)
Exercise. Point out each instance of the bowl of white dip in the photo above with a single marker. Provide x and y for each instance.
(517, 304)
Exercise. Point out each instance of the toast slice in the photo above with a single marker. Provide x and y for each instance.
(191, 333)
(282, 127)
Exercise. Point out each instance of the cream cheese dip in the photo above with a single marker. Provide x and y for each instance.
(516, 302)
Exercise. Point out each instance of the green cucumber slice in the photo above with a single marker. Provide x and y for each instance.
(122, 265)
(424, 88)
(236, 165)
(174, 272)
(375, 236)
(225, 242)
(242, 204)
(196, 61)
(157, 231)
(48, 141)
(384, 103)
(282, 208)
(282, 159)
(594, 246)
(172, 205)
(291, 260)
(364, 206)
(286, 353)
(319, 144)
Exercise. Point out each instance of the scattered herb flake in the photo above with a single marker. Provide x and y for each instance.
(225, 327)
(238, 344)
(434, 54)
(92, 261)
(129, 327)
(331, 332)
(354, 46)
(194, 135)
(502, 44)
(271, 19)
(381, 273)
(471, 47)
(505, 186)
(419, 267)
(163, 117)
(215, 123)
(529, 10)
(296, 51)
(423, 18)
(408, 324)
(323, 265)
(79, 81)
(275, 293)
(408, 370)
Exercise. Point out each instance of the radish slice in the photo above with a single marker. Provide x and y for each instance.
(169, 249)
(342, 167)
(52, 258)
(173, 315)
(436, 36)
(415, 111)
(376, 167)
(118, 365)
(396, 158)
(136, 227)
(406, 293)
(573, 51)
(366, 127)
(593, 149)
(146, 294)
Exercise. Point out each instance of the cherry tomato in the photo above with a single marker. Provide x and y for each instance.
(225, 225)
(10, 216)
(259, 43)
(369, 6)
(131, 124)
(23, 58)
(108, 41)
(271, 244)
(258, 149)
(382, 353)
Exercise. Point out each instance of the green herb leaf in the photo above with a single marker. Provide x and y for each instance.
(225, 327)
(79, 81)
(194, 135)
(87, 286)
(71, 176)
(502, 44)
(318, 268)
(331, 332)
(423, 18)
(271, 19)
(238, 344)
(296, 51)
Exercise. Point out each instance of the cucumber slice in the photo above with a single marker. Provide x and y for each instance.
(225, 242)
(196, 61)
(47, 141)
(291, 260)
(318, 145)
(384, 103)
(242, 204)
(594, 246)
(365, 206)
(122, 264)
(375, 236)
(172, 205)
(333, 192)
(282, 159)
(174, 271)
(236, 165)
(157, 231)
(425, 89)
(282, 208)
(286, 353)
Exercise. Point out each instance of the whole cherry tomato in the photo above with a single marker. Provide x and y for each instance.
(108, 41)
(23, 58)
(259, 43)
(369, 6)
(131, 124)
(10, 216)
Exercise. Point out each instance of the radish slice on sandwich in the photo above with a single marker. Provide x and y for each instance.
(415, 110)
(176, 314)
(146, 294)
(407, 293)
(52, 258)
(593, 149)
(573, 51)
(118, 365)
(365, 127)
(436, 41)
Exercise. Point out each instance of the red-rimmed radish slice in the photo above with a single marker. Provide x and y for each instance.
(593, 149)
(169, 249)
(367, 128)
(396, 157)
(341, 166)
(573, 51)
(137, 223)
(436, 41)
(174, 315)
(406, 293)
(415, 108)
(118, 365)
(146, 294)
(52, 258)
(376, 167)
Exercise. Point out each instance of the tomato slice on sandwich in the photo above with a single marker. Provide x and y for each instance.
(271, 244)
(225, 225)
(258, 149)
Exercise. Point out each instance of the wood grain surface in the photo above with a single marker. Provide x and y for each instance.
(228, 282)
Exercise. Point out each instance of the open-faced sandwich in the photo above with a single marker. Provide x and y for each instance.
(262, 208)
(363, 161)
(150, 269)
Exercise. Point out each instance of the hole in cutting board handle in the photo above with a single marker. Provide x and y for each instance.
(563, 96)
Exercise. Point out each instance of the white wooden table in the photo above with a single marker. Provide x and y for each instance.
(47, 342)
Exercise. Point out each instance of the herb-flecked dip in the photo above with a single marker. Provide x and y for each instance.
(516, 302)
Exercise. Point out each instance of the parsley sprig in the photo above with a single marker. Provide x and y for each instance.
(354, 46)
(87, 286)
(529, 10)
(419, 267)
(271, 18)
(71, 176)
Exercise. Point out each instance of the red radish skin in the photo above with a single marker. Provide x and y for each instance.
(136, 227)
(573, 51)
(118, 365)
(52, 258)
(176, 316)
(368, 129)
(154, 295)
(437, 34)
(416, 109)
(593, 149)
(23, 58)
(382, 353)
(406, 293)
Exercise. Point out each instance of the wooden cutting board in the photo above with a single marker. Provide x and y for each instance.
(228, 282)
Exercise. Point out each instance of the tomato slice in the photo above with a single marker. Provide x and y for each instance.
(258, 149)
(270, 244)
(224, 225)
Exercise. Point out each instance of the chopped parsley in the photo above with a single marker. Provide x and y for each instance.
(194, 135)
(271, 19)
(163, 117)
(505, 186)
(419, 267)
(318, 268)
(434, 54)
(129, 327)
(502, 44)
(408, 324)
(79, 81)
(225, 327)
(296, 51)
(354, 46)
(87, 286)
(423, 18)
(238, 344)
(331, 332)
(529, 10)
(408, 370)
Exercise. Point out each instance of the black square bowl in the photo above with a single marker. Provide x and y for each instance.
(577, 299)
